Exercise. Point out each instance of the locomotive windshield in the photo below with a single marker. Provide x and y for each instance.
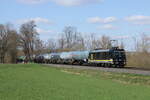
(119, 54)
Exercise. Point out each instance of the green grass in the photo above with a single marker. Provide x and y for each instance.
(37, 82)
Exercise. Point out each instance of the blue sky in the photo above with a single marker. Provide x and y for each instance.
(120, 19)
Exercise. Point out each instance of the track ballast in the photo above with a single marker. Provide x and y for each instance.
(117, 70)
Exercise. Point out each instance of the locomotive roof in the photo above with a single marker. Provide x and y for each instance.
(95, 51)
(54, 53)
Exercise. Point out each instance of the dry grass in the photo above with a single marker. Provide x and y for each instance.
(140, 60)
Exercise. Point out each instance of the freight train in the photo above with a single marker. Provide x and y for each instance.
(113, 57)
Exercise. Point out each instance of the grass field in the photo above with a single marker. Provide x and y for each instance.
(37, 82)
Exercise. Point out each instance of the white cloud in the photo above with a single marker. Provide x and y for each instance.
(62, 2)
(41, 31)
(102, 20)
(107, 27)
(138, 19)
(37, 20)
(75, 2)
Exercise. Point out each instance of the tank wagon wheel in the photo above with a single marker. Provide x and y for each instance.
(80, 63)
(72, 62)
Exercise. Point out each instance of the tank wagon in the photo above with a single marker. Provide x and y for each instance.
(66, 57)
(80, 57)
(113, 57)
(54, 58)
(73, 57)
(39, 59)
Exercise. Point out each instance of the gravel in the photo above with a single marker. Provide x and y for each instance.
(117, 70)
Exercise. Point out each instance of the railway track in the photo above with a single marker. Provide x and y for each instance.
(129, 70)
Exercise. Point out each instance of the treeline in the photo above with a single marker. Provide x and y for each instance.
(12, 42)
(26, 42)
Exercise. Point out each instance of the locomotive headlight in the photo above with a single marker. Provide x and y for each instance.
(85, 60)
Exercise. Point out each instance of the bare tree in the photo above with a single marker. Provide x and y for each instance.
(136, 44)
(78, 41)
(145, 43)
(4, 36)
(91, 42)
(13, 45)
(122, 45)
(28, 35)
(68, 34)
(71, 39)
(51, 45)
(61, 42)
(39, 47)
(105, 42)
(142, 44)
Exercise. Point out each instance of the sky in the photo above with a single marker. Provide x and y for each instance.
(119, 19)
